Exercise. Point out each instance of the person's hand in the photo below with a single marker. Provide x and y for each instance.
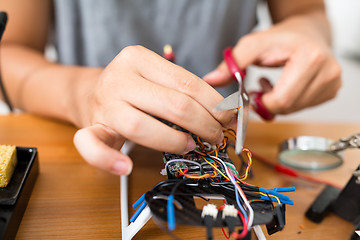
(310, 75)
(137, 85)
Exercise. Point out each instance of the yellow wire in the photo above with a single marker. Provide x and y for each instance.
(197, 176)
(271, 196)
(249, 163)
(216, 168)
(230, 132)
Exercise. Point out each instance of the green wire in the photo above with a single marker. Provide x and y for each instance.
(228, 164)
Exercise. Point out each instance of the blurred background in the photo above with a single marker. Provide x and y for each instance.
(345, 20)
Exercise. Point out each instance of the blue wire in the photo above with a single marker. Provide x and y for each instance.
(138, 211)
(237, 198)
(171, 213)
(289, 202)
(240, 206)
(283, 189)
(139, 201)
(272, 192)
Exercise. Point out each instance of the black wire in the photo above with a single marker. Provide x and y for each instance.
(272, 204)
(165, 182)
(4, 94)
(3, 21)
(177, 185)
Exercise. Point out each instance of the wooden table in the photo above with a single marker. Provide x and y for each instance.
(72, 200)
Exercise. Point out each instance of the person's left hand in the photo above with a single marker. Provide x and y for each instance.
(310, 76)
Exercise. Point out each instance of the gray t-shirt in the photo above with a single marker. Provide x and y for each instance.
(93, 32)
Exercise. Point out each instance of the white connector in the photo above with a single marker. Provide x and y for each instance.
(209, 210)
(229, 211)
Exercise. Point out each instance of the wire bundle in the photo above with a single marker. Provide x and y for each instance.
(228, 172)
(210, 163)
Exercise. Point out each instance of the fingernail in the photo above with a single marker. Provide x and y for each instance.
(190, 144)
(122, 168)
(216, 74)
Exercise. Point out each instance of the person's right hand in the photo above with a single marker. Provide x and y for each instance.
(135, 85)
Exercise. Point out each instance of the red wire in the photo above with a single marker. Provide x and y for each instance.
(234, 234)
(227, 237)
(244, 231)
(185, 171)
(293, 173)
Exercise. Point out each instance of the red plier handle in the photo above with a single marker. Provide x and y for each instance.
(232, 65)
(259, 107)
(256, 96)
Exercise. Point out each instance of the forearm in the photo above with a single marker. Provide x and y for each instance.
(309, 15)
(45, 88)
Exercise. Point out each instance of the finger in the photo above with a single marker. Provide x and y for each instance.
(324, 86)
(246, 52)
(219, 77)
(100, 147)
(169, 75)
(173, 106)
(145, 130)
(298, 72)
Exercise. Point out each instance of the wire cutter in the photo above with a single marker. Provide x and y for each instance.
(240, 100)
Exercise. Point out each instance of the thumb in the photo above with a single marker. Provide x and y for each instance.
(245, 52)
(221, 76)
(100, 147)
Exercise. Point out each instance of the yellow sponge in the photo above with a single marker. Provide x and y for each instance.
(8, 162)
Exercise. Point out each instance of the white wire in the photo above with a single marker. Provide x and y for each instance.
(182, 160)
(232, 179)
(251, 211)
(259, 233)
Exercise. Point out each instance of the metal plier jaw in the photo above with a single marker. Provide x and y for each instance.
(240, 100)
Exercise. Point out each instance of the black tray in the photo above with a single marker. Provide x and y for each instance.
(15, 197)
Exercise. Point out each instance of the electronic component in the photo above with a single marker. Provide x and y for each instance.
(208, 173)
(322, 204)
(278, 221)
(347, 205)
(344, 203)
(209, 215)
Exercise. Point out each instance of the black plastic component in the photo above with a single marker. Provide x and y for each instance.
(209, 223)
(356, 234)
(347, 205)
(230, 223)
(278, 221)
(322, 204)
(189, 214)
(14, 198)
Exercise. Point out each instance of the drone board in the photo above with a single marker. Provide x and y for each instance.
(208, 173)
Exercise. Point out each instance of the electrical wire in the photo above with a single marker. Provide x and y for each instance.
(234, 234)
(230, 176)
(246, 202)
(293, 173)
(3, 21)
(247, 170)
(182, 160)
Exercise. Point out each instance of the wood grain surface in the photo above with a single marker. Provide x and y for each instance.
(72, 200)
